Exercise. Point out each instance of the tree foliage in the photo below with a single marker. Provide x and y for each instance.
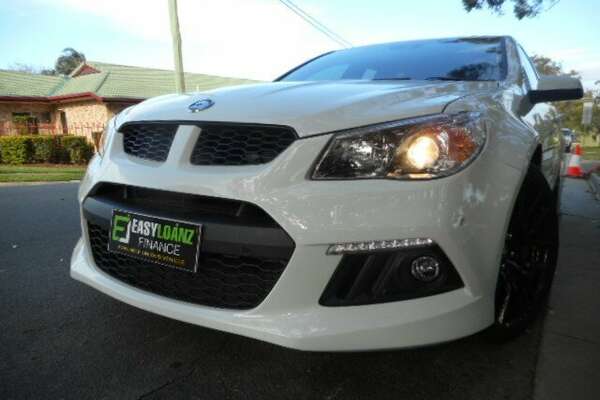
(546, 66)
(568, 112)
(31, 69)
(68, 61)
(521, 8)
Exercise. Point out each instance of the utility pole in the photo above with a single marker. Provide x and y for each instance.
(176, 36)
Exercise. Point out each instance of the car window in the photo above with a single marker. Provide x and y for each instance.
(528, 68)
(471, 59)
(332, 73)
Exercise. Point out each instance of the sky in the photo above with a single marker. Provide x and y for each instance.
(261, 39)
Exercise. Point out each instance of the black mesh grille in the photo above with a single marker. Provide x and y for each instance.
(149, 141)
(222, 280)
(229, 144)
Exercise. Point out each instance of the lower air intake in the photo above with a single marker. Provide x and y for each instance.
(222, 280)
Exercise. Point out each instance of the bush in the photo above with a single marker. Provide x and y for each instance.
(16, 149)
(46, 149)
(76, 149)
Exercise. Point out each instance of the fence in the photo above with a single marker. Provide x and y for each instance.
(32, 128)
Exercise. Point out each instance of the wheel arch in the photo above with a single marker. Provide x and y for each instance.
(535, 160)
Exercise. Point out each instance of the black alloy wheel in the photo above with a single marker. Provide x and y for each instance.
(529, 257)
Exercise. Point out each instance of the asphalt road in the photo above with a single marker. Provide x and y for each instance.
(62, 339)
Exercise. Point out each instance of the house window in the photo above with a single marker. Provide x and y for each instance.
(25, 123)
(45, 118)
(63, 122)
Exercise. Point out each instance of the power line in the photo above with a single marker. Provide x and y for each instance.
(552, 5)
(315, 23)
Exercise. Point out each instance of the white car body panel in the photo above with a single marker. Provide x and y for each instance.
(311, 107)
(466, 214)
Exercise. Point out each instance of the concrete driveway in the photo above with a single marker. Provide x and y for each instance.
(61, 339)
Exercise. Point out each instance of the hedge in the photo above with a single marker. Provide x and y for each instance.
(77, 150)
(16, 149)
(45, 149)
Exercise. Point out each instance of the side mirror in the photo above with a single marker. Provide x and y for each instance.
(556, 88)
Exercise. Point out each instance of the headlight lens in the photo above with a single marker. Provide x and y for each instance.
(416, 148)
(106, 136)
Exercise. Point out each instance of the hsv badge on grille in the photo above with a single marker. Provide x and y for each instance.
(201, 105)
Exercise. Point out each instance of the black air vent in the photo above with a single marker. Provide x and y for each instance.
(184, 204)
(243, 251)
(151, 141)
(381, 277)
(222, 280)
(238, 144)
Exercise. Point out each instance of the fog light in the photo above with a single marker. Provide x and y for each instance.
(425, 269)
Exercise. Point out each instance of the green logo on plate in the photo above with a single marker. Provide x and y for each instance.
(121, 228)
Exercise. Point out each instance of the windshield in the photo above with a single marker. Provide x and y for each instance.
(469, 59)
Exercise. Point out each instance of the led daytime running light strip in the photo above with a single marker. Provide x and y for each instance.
(375, 245)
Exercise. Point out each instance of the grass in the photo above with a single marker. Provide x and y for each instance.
(591, 153)
(40, 173)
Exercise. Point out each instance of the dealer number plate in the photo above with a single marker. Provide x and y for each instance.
(157, 240)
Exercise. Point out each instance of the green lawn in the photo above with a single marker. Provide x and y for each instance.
(591, 153)
(40, 173)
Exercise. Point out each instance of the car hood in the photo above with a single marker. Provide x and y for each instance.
(310, 107)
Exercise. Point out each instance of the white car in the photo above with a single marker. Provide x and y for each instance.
(377, 197)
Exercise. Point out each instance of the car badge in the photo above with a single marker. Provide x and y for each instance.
(201, 105)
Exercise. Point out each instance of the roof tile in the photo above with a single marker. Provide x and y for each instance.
(13, 83)
(113, 81)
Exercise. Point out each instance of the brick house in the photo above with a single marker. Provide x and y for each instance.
(82, 102)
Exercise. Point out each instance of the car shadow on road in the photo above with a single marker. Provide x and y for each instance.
(207, 364)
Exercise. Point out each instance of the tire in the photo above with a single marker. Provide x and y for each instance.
(529, 258)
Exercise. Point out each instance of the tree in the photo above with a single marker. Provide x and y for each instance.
(569, 112)
(521, 8)
(31, 69)
(68, 61)
(20, 67)
(547, 66)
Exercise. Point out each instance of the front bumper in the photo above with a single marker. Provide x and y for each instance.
(311, 327)
(464, 214)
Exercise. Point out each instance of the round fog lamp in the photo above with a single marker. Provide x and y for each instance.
(425, 269)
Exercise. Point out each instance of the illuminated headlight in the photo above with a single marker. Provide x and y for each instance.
(416, 148)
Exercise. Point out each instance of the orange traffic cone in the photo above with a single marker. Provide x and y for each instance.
(574, 168)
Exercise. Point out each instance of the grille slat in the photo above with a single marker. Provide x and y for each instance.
(222, 280)
(149, 141)
(223, 144)
(187, 204)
